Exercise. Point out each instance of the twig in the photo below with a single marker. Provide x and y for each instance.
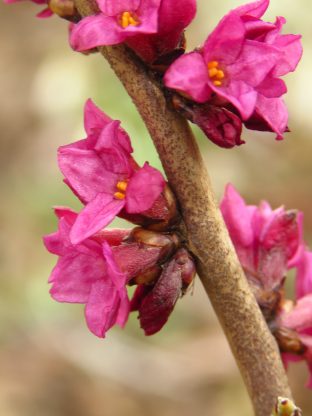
(252, 344)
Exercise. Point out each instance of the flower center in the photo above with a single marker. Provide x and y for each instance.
(214, 73)
(128, 19)
(121, 190)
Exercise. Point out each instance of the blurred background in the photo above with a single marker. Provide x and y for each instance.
(50, 364)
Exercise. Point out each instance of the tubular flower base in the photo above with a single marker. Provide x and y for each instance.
(240, 66)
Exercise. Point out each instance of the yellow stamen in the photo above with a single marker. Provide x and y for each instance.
(213, 64)
(119, 195)
(217, 83)
(128, 19)
(215, 73)
(219, 74)
(122, 186)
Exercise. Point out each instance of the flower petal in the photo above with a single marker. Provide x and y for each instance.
(102, 307)
(304, 275)
(94, 31)
(189, 74)
(255, 9)
(143, 189)
(74, 275)
(85, 172)
(95, 216)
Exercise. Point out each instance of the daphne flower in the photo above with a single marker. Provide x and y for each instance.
(298, 317)
(150, 27)
(116, 21)
(173, 18)
(95, 272)
(240, 63)
(102, 173)
(265, 240)
(86, 273)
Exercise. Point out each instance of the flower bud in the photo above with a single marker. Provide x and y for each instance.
(65, 9)
(289, 341)
(156, 304)
(285, 407)
(219, 124)
(168, 243)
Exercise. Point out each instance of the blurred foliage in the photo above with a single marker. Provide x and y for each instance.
(51, 365)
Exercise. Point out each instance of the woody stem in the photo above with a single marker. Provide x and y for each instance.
(252, 344)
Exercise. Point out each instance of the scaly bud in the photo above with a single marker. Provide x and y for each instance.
(285, 407)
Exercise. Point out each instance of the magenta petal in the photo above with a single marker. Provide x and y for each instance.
(238, 217)
(300, 317)
(85, 173)
(241, 95)
(292, 49)
(94, 31)
(254, 63)
(119, 280)
(95, 216)
(289, 46)
(112, 135)
(102, 308)
(116, 7)
(94, 118)
(255, 9)
(304, 275)
(274, 113)
(73, 277)
(113, 146)
(143, 189)
(272, 87)
(45, 13)
(115, 275)
(222, 47)
(189, 74)
(175, 16)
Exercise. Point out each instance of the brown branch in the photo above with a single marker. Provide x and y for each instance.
(252, 344)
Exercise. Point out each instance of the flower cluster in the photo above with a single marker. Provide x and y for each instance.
(152, 28)
(268, 244)
(234, 79)
(238, 70)
(95, 264)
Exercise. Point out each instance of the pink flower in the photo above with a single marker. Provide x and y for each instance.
(304, 274)
(95, 272)
(240, 63)
(102, 173)
(46, 12)
(173, 18)
(117, 21)
(87, 273)
(298, 317)
(150, 27)
(266, 241)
